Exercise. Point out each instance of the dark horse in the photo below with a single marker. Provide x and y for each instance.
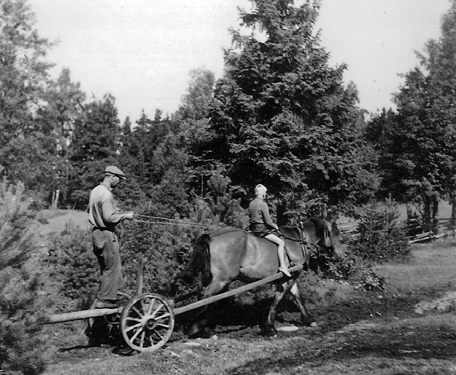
(229, 253)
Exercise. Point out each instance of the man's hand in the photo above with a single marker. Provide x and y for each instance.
(128, 215)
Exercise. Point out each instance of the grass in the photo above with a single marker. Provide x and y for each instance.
(431, 267)
(54, 221)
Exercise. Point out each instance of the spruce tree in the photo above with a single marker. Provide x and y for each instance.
(281, 115)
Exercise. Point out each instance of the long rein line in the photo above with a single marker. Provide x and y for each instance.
(166, 221)
(302, 241)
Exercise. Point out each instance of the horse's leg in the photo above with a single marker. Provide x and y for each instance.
(281, 289)
(201, 319)
(306, 318)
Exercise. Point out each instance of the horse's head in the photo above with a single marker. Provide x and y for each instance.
(333, 240)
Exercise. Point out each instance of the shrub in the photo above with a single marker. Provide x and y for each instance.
(356, 272)
(322, 291)
(352, 269)
(167, 245)
(378, 237)
(21, 348)
(72, 267)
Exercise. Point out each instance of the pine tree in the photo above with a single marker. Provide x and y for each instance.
(20, 345)
(421, 152)
(95, 144)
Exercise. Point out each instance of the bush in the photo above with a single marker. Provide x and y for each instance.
(320, 291)
(72, 267)
(356, 272)
(378, 237)
(167, 246)
(21, 348)
(351, 269)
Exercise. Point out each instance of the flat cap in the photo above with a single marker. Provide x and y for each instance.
(115, 171)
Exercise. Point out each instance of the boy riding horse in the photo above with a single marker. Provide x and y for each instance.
(262, 225)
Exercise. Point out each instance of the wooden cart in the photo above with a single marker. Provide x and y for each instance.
(147, 320)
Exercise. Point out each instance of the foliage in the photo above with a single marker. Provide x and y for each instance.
(149, 151)
(378, 132)
(322, 292)
(94, 143)
(15, 219)
(356, 272)
(378, 239)
(196, 102)
(417, 155)
(282, 117)
(418, 159)
(378, 236)
(35, 112)
(166, 241)
(350, 269)
(64, 108)
(21, 347)
(72, 267)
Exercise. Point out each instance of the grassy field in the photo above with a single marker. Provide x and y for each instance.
(410, 328)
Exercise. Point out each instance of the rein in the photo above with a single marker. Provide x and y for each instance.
(303, 242)
(166, 221)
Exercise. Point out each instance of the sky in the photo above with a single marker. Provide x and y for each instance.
(142, 51)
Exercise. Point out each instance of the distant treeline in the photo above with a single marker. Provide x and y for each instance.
(280, 115)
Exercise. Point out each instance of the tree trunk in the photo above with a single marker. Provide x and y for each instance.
(453, 211)
(55, 199)
(427, 222)
(435, 211)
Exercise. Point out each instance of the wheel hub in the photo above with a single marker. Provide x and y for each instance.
(150, 324)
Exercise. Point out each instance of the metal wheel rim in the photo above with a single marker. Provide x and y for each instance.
(147, 322)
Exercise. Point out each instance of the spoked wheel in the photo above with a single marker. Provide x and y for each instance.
(147, 322)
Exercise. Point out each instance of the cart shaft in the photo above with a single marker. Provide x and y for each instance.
(230, 293)
(78, 315)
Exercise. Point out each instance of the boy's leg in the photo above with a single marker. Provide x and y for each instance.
(281, 252)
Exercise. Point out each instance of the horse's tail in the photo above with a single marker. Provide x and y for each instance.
(200, 261)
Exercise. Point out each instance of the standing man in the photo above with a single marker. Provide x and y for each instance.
(104, 217)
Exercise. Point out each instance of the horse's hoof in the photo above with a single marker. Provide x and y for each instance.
(270, 332)
(207, 333)
(193, 332)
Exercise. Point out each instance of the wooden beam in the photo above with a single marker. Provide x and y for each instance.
(78, 315)
(230, 293)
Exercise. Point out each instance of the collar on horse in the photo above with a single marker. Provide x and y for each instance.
(306, 246)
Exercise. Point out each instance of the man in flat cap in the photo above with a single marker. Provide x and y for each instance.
(104, 217)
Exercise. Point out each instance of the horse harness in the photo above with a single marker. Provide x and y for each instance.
(301, 240)
(304, 244)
